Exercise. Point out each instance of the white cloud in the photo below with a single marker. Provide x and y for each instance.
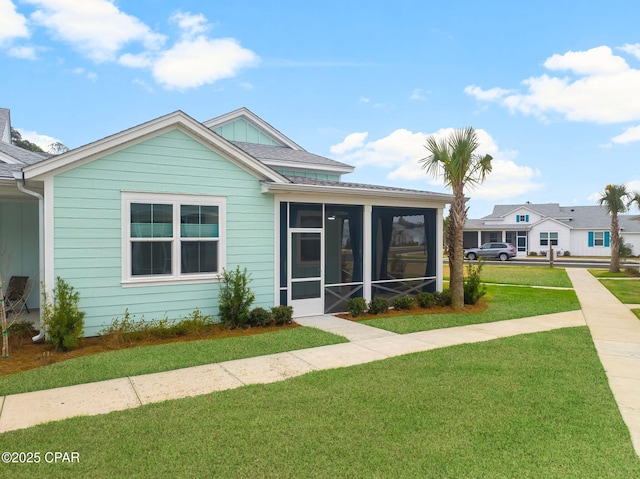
(630, 135)
(93, 76)
(352, 141)
(191, 25)
(97, 28)
(12, 24)
(141, 60)
(193, 63)
(26, 53)
(631, 49)
(597, 61)
(493, 94)
(43, 141)
(399, 152)
(419, 94)
(599, 87)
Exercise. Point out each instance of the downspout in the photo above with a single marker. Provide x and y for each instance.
(19, 177)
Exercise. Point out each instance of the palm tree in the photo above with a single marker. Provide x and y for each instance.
(614, 199)
(454, 158)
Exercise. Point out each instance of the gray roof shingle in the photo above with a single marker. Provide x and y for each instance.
(269, 153)
(579, 217)
(300, 180)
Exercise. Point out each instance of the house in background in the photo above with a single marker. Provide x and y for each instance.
(534, 228)
(145, 220)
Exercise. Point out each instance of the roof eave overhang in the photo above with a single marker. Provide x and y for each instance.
(308, 166)
(354, 191)
(147, 130)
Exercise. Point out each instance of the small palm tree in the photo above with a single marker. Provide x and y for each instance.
(454, 159)
(615, 199)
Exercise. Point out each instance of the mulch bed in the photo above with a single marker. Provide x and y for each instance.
(24, 354)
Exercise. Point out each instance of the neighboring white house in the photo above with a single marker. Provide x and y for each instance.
(533, 228)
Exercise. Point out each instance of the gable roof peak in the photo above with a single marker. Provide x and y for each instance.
(250, 117)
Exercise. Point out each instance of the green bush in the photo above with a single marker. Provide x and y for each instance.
(473, 289)
(443, 298)
(404, 302)
(426, 300)
(566, 253)
(378, 305)
(235, 298)
(282, 315)
(127, 330)
(356, 306)
(196, 324)
(63, 320)
(260, 317)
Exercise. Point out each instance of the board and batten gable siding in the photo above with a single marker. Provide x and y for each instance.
(241, 130)
(88, 228)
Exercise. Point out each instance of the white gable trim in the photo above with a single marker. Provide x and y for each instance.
(549, 218)
(258, 122)
(177, 120)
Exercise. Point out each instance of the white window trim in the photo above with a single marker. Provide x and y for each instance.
(176, 277)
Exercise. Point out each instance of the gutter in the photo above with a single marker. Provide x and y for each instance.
(19, 177)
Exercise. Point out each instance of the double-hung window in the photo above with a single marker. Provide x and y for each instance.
(169, 237)
(546, 237)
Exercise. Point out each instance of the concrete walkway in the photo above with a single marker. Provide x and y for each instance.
(616, 333)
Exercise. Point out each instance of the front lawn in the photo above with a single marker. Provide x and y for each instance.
(626, 290)
(528, 406)
(504, 302)
(166, 357)
(524, 275)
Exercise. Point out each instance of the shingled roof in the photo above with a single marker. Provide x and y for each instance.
(578, 217)
(282, 155)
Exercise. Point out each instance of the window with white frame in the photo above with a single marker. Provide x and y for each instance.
(172, 237)
(598, 238)
(545, 237)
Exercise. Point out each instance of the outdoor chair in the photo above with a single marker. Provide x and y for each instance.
(15, 296)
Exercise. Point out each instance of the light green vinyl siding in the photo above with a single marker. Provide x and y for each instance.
(88, 237)
(241, 130)
(19, 245)
(309, 174)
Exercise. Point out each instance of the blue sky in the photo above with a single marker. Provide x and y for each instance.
(553, 88)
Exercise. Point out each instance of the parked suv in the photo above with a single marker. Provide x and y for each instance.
(502, 251)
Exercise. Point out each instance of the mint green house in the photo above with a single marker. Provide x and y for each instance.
(145, 220)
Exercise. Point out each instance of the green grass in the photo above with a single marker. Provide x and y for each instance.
(523, 275)
(529, 406)
(504, 302)
(526, 275)
(166, 357)
(627, 291)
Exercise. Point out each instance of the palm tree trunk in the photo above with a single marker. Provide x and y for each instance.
(614, 265)
(457, 215)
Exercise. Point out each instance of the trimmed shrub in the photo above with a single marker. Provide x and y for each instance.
(566, 253)
(426, 300)
(378, 305)
(235, 298)
(260, 317)
(63, 320)
(443, 298)
(282, 315)
(404, 302)
(473, 289)
(356, 306)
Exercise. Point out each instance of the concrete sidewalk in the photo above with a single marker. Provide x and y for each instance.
(616, 334)
(615, 330)
(368, 344)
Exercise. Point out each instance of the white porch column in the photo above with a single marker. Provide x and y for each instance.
(479, 238)
(367, 249)
(440, 249)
